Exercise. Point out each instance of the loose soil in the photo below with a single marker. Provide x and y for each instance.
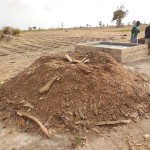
(83, 95)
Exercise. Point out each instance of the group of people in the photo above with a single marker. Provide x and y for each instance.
(134, 33)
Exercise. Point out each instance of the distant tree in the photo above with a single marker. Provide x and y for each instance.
(29, 28)
(62, 25)
(100, 23)
(87, 25)
(119, 14)
(129, 24)
(34, 27)
(134, 22)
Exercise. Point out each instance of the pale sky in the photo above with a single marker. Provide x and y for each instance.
(51, 13)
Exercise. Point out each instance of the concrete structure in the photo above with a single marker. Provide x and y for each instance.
(122, 52)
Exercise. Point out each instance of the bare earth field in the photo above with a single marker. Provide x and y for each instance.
(21, 52)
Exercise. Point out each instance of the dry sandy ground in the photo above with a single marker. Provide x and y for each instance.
(19, 53)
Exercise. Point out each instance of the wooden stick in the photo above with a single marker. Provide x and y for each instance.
(73, 60)
(47, 86)
(95, 110)
(87, 61)
(81, 114)
(69, 58)
(21, 113)
(101, 123)
(10, 101)
(85, 58)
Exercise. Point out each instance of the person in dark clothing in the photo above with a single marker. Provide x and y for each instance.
(147, 35)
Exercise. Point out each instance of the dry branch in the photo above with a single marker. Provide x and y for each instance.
(95, 110)
(48, 134)
(69, 58)
(85, 60)
(81, 114)
(47, 86)
(101, 123)
(10, 101)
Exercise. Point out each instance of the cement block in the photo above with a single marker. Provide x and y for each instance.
(145, 46)
(107, 50)
(121, 55)
(115, 51)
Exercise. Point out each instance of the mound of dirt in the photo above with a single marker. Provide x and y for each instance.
(80, 94)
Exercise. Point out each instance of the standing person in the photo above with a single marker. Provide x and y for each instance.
(147, 35)
(134, 32)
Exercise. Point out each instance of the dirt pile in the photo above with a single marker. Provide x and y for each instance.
(81, 94)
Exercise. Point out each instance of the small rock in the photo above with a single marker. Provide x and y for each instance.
(41, 98)
(23, 101)
(46, 124)
(138, 144)
(146, 80)
(78, 122)
(134, 115)
(22, 123)
(140, 112)
(27, 122)
(96, 130)
(29, 105)
(146, 136)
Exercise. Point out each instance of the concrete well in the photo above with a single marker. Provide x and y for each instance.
(122, 52)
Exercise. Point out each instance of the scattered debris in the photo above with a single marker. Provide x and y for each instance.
(85, 59)
(10, 101)
(134, 115)
(95, 110)
(131, 147)
(22, 123)
(101, 123)
(96, 130)
(124, 35)
(146, 136)
(47, 86)
(79, 122)
(81, 114)
(28, 105)
(20, 113)
(69, 58)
